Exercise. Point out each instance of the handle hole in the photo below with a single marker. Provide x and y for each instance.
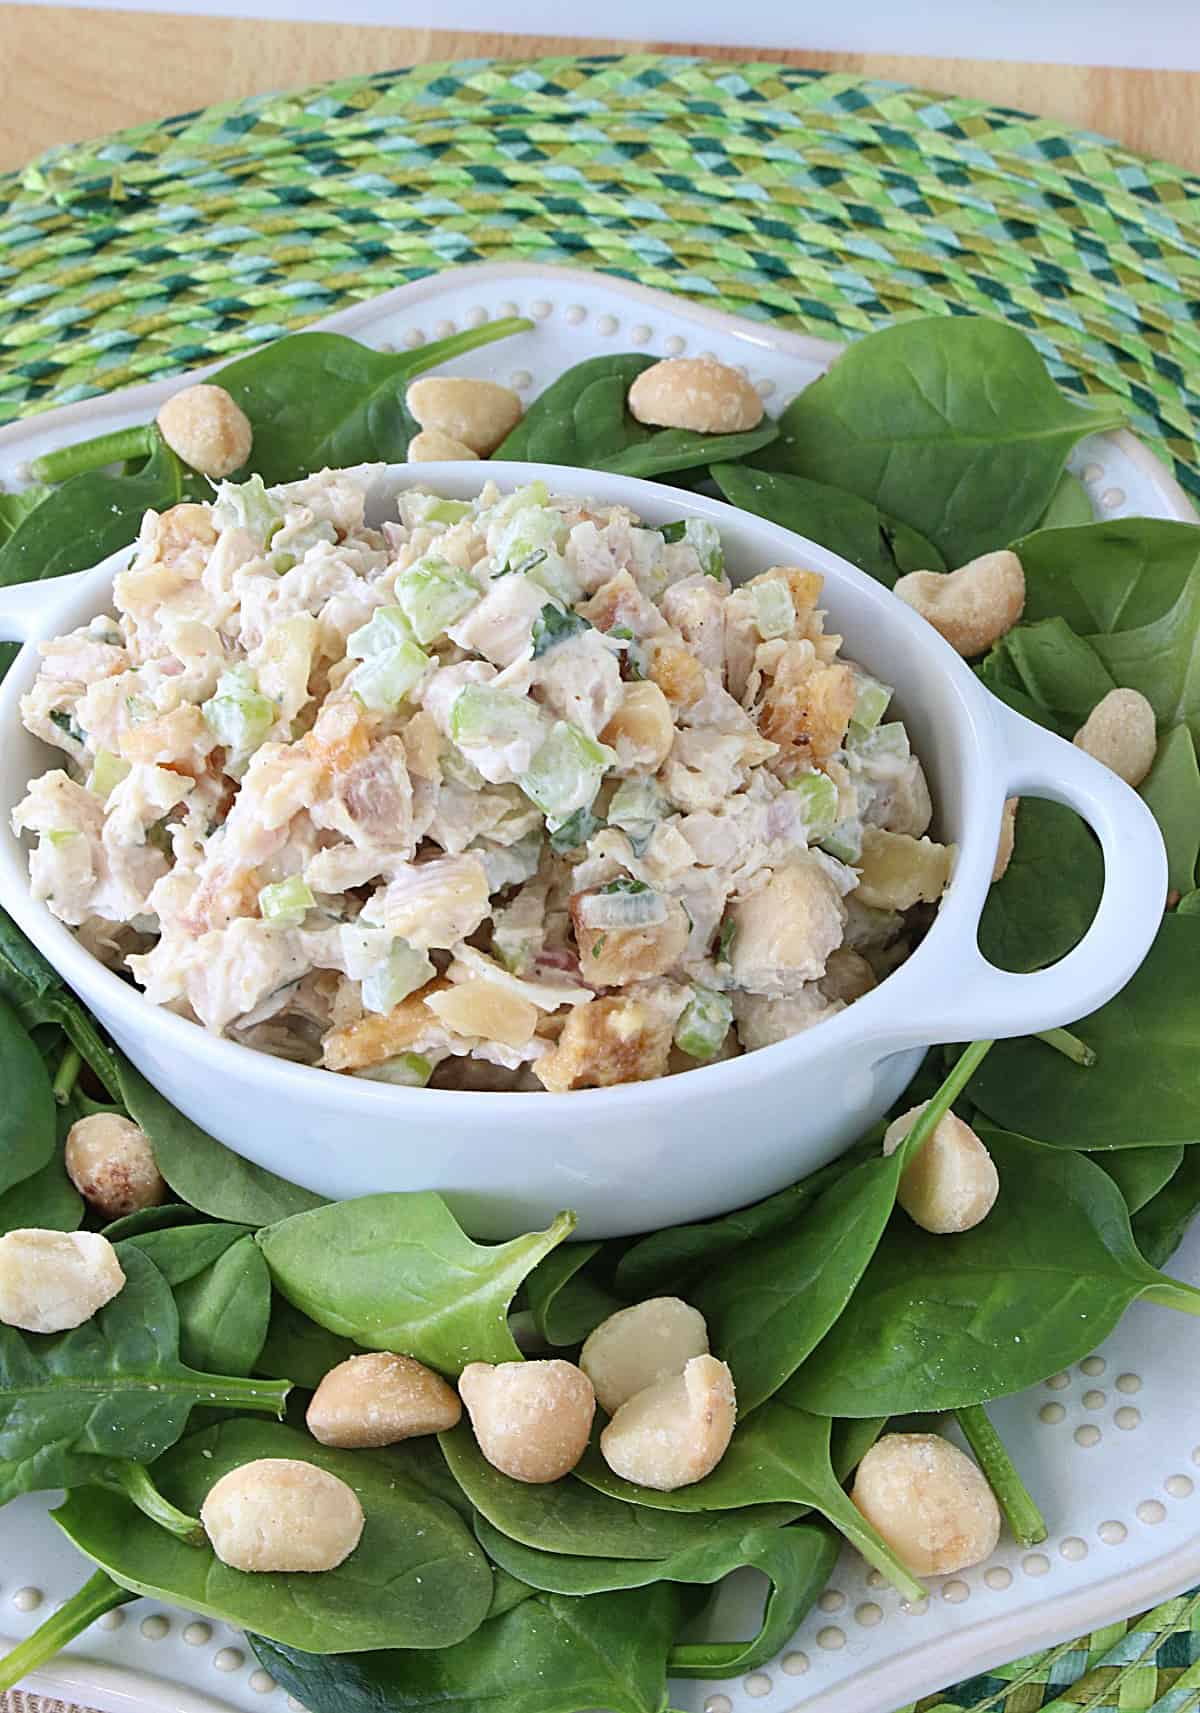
(1044, 904)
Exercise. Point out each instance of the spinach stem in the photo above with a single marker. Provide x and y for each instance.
(132, 1480)
(68, 1071)
(269, 1396)
(1070, 1046)
(1024, 1519)
(115, 447)
(965, 1066)
(98, 1595)
(1173, 1294)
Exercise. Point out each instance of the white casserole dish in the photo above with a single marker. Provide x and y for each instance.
(645, 1155)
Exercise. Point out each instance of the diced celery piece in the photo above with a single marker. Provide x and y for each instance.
(774, 609)
(363, 948)
(60, 836)
(703, 538)
(108, 770)
(623, 903)
(725, 941)
(509, 865)
(432, 594)
(239, 715)
(704, 1023)
(447, 511)
(406, 1070)
(886, 749)
(247, 505)
(576, 830)
(871, 703)
(844, 841)
(388, 628)
(402, 972)
(819, 804)
(482, 715)
(457, 768)
(383, 681)
(553, 625)
(285, 902)
(551, 571)
(566, 772)
(637, 808)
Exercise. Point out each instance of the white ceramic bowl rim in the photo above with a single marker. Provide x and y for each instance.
(973, 999)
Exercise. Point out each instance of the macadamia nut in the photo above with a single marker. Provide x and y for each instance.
(531, 1419)
(697, 393)
(929, 1501)
(111, 1163)
(635, 1347)
(378, 1399)
(1121, 732)
(1008, 835)
(53, 1280)
(208, 429)
(431, 446)
(952, 1183)
(972, 607)
(675, 1432)
(479, 414)
(280, 1513)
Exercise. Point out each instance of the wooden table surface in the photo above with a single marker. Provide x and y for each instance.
(68, 74)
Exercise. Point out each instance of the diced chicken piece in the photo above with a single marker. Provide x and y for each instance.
(783, 935)
(703, 770)
(499, 627)
(761, 1021)
(903, 805)
(696, 608)
(283, 664)
(898, 871)
(463, 814)
(623, 1038)
(51, 712)
(545, 994)
(809, 719)
(620, 605)
(182, 739)
(143, 797)
(423, 747)
(741, 642)
(579, 680)
(617, 957)
(433, 903)
(370, 803)
(81, 657)
(198, 648)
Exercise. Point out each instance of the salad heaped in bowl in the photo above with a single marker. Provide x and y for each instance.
(511, 793)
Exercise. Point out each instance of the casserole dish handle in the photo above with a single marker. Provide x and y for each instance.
(982, 1002)
(28, 610)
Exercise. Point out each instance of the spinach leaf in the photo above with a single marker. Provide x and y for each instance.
(34, 987)
(1044, 904)
(1142, 1088)
(567, 1516)
(180, 1252)
(797, 1562)
(15, 507)
(942, 1322)
(199, 1169)
(99, 1594)
(1110, 576)
(297, 1349)
(224, 1311)
(1058, 670)
(553, 625)
(780, 1455)
(669, 1260)
(117, 1380)
(1069, 506)
(396, 1272)
(416, 1580)
(1162, 659)
(1140, 1173)
(1171, 791)
(843, 522)
(27, 1112)
(582, 418)
(767, 1310)
(953, 425)
(167, 1214)
(318, 400)
(550, 1654)
(566, 1304)
(91, 516)
(46, 1199)
(1160, 1227)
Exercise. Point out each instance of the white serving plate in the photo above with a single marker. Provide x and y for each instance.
(1111, 1451)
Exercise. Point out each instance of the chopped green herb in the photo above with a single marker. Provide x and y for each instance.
(553, 626)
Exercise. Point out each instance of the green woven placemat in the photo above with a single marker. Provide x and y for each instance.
(817, 200)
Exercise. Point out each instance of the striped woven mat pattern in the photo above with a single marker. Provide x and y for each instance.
(816, 200)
